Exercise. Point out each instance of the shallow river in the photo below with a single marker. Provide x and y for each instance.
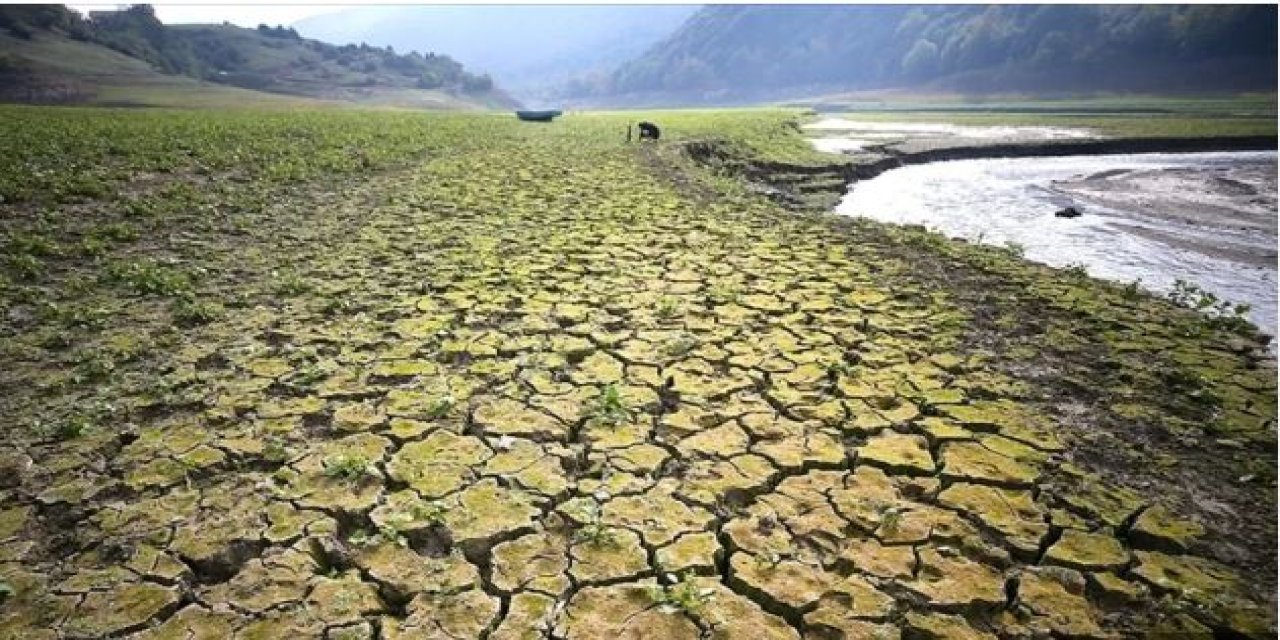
(1208, 218)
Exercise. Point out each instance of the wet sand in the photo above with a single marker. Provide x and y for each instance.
(1227, 212)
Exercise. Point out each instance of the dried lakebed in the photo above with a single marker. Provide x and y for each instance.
(536, 384)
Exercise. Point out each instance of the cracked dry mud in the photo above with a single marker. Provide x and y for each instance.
(821, 429)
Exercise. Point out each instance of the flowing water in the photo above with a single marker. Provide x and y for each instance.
(1206, 218)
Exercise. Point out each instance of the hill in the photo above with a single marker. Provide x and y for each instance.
(743, 53)
(50, 54)
(530, 51)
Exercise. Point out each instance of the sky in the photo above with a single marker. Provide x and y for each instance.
(244, 15)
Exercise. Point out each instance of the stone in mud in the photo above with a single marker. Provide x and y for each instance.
(1087, 551)
(784, 584)
(487, 513)
(941, 626)
(529, 617)
(275, 579)
(867, 555)
(898, 453)
(406, 572)
(126, 607)
(655, 515)
(731, 615)
(444, 617)
(609, 554)
(621, 612)
(1055, 599)
(506, 417)
(1108, 588)
(970, 461)
(537, 562)
(1199, 579)
(438, 465)
(693, 551)
(358, 417)
(1158, 528)
(1011, 512)
(711, 482)
(194, 622)
(343, 600)
(950, 582)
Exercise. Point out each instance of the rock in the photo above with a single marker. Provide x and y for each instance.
(405, 572)
(1068, 212)
(1087, 551)
(444, 617)
(939, 626)
(692, 551)
(530, 616)
(439, 464)
(621, 612)
(1158, 528)
(898, 453)
(124, 608)
(867, 555)
(1055, 598)
(971, 461)
(954, 582)
(1012, 512)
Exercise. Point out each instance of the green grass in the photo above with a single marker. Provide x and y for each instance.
(1130, 116)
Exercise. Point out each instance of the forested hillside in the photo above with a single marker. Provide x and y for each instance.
(726, 53)
(272, 59)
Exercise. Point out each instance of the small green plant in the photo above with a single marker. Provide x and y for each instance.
(608, 408)
(6, 591)
(723, 293)
(291, 284)
(148, 277)
(668, 308)
(390, 532)
(594, 532)
(31, 245)
(1076, 270)
(891, 518)
(188, 312)
(25, 266)
(309, 376)
(440, 407)
(274, 450)
(1219, 314)
(683, 595)
(348, 468)
(1132, 290)
(93, 366)
(680, 345)
(432, 513)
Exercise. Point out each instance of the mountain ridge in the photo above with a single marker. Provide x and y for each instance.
(51, 54)
(728, 54)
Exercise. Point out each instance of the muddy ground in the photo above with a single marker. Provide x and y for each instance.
(553, 387)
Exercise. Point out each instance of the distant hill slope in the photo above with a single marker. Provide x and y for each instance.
(741, 53)
(530, 51)
(49, 54)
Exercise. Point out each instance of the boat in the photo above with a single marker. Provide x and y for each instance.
(538, 116)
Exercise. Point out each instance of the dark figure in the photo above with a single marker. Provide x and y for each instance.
(1069, 212)
(649, 130)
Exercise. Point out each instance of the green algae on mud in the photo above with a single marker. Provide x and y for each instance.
(573, 374)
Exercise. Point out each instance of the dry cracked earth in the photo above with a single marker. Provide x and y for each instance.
(558, 391)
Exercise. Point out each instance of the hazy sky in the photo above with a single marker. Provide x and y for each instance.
(244, 15)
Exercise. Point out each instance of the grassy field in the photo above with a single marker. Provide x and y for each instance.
(404, 375)
(1153, 116)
